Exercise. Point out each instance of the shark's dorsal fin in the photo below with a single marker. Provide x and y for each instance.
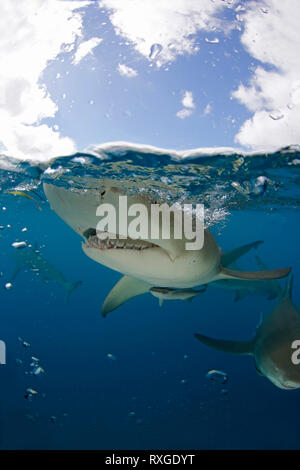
(233, 255)
(253, 275)
(125, 289)
(233, 347)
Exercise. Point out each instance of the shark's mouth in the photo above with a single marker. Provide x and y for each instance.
(108, 241)
(287, 387)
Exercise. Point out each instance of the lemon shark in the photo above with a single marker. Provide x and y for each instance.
(147, 262)
(30, 259)
(272, 346)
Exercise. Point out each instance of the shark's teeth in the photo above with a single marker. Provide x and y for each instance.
(93, 241)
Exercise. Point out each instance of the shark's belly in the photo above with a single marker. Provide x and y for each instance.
(188, 270)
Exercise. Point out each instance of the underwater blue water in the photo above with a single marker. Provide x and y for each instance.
(137, 379)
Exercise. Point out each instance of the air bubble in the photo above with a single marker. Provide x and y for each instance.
(217, 376)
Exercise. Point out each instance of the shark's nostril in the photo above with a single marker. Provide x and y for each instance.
(90, 232)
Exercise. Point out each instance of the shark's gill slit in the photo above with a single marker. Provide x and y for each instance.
(109, 241)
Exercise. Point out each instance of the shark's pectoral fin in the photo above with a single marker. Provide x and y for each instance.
(160, 302)
(125, 289)
(253, 275)
(233, 347)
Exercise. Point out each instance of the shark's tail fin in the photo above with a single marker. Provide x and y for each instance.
(233, 347)
(71, 287)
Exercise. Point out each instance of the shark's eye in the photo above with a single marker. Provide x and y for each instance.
(90, 232)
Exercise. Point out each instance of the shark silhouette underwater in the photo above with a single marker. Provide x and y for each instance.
(143, 262)
(273, 344)
(268, 288)
(30, 259)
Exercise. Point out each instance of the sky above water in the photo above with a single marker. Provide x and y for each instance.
(177, 74)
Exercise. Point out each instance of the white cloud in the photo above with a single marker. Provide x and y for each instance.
(188, 105)
(85, 48)
(207, 109)
(162, 29)
(32, 34)
(126, 71)
(272, 95)
(188, 100)
(184, 113)
(36, 142)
